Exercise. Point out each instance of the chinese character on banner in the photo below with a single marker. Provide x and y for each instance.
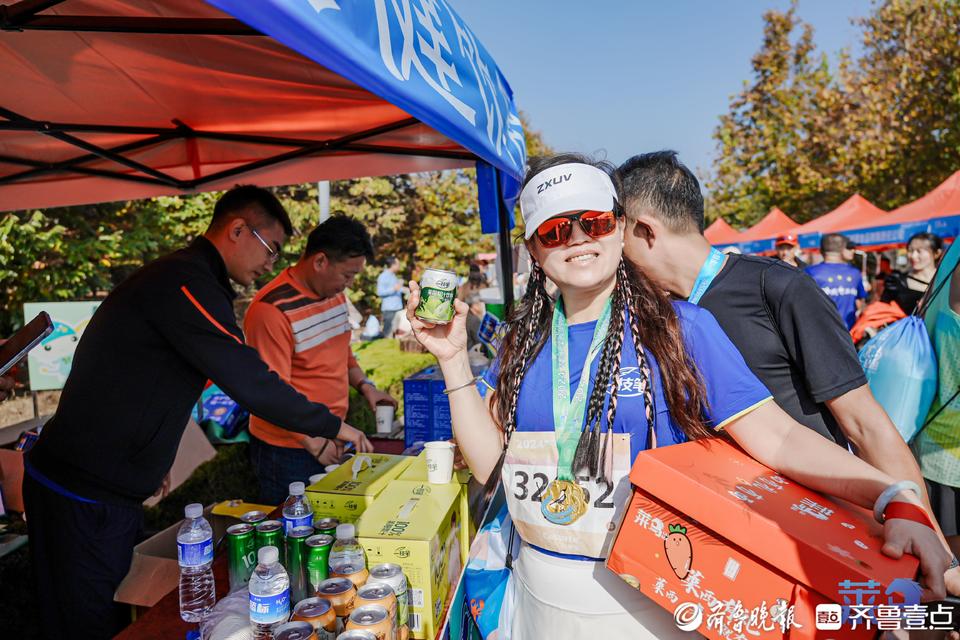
(888, 617)
(430, 41)
(760, 619)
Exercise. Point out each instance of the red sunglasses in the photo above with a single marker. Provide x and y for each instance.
(556, 231)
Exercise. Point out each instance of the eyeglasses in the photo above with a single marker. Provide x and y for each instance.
(556, 231)
(272, 254)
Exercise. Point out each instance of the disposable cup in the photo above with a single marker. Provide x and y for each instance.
(385, 418)
(439, 461)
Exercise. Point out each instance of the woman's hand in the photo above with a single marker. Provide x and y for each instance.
(906, 536)
(444, 341)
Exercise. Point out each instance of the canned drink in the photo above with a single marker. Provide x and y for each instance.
(356, 573)
(327, 526)
(372, 618)
(318, 558)
(356, 634)
(270, 534)
(294, 631)
(253, 517)
(241, 554)
(380, 594)
(320, 614)
(438, 288)
(392, 575)
(340, 592)
(297, 563)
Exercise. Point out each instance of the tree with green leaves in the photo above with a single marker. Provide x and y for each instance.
(886, 125)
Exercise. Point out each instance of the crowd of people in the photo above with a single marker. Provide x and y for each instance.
(624, 292)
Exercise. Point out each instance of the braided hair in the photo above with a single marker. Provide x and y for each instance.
(654, 327)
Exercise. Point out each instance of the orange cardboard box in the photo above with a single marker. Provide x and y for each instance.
(710, 526)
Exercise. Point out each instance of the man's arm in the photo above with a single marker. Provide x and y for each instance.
(873, 435)
(197, 321)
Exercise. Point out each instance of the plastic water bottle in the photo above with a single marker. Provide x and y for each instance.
(346, 549)
(297, 511)
(269, 594)
(195, 555)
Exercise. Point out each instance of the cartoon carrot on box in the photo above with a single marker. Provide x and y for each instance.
(679, 550)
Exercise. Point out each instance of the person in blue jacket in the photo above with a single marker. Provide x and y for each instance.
(585, 382)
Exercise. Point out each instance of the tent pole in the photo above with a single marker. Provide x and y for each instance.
(506, 250)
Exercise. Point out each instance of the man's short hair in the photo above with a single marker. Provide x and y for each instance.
(833, 243)
(661, 182)
(238, 201)
(340, 238)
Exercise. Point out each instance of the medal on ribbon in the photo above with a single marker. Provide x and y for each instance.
(564, 501)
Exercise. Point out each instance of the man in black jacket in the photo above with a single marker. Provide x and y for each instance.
(138, 370)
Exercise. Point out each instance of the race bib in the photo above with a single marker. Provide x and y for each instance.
(530, 465)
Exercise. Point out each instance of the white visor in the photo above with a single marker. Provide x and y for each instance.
(565, 188)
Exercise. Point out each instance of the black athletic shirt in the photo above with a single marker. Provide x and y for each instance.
(806, 356)
(139, 368)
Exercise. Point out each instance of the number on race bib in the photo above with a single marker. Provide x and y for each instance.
(522, 490)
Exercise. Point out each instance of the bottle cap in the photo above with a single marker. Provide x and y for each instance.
(296, 488)
(317, 477)
(268, 555)
(345, 531)
(193, 510)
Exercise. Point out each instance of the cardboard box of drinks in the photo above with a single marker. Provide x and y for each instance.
(350, 488)
(417, 526)
(154, 570)
(733, 549)
(417, 472)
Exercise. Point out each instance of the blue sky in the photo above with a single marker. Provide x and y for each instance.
(626, 76)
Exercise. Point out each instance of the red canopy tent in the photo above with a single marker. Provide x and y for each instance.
(120, 99)
(855, 210)
(936, 211)
(721, 233)
(760, 237)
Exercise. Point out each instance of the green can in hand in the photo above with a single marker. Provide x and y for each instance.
(438, 289)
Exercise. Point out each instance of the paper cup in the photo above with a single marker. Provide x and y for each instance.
(385, 418)
(439, 461)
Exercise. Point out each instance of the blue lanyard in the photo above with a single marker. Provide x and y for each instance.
(708, 272)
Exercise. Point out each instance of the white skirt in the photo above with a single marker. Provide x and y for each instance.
(558, 598)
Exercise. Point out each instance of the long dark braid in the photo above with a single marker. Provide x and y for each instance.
(526, 332)
(590, 456)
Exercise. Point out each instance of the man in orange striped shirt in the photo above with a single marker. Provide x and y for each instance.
(298, 323)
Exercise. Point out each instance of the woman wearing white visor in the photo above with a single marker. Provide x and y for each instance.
(613, 351)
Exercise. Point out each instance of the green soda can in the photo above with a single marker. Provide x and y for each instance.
(241, 554)
(318, 555)
(270, 534)
(327, 526)
(297, 563)
(438, 288)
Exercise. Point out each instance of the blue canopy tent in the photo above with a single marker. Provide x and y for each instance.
(120, 99)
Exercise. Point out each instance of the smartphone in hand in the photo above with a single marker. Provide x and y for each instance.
(13, 350)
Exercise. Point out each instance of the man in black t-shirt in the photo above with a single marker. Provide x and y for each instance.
(787, 329)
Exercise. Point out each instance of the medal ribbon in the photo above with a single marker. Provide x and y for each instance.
(711, 267)
(568, 413)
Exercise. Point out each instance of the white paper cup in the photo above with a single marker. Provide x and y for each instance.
(439, 461)
(385, 418)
